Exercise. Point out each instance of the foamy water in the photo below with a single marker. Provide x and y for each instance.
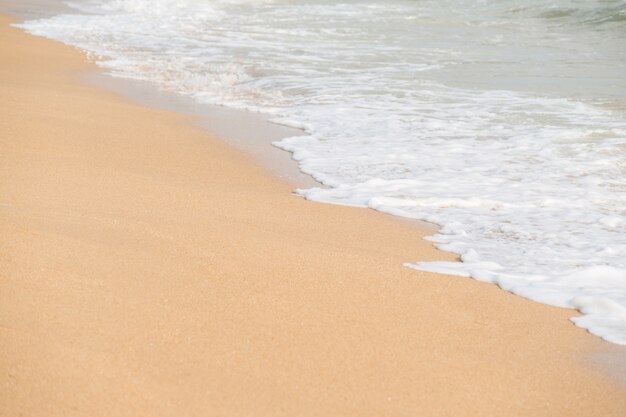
(502, 121)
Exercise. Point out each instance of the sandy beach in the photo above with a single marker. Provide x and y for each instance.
(148, 269)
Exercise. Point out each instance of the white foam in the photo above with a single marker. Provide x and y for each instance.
(505, 126)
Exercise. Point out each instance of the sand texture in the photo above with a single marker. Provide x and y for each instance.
(147, 269)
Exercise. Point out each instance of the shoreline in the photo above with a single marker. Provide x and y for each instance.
(251, 133)
(248, 132)
(185, 299)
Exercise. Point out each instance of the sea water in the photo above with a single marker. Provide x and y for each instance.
(502, 121)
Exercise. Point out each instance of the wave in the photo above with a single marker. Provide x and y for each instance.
(503, 122)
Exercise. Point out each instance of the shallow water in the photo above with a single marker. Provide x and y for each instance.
(502, 121)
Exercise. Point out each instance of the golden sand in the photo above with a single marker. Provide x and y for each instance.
(147, 269)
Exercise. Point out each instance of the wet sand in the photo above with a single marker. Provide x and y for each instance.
(147, 268)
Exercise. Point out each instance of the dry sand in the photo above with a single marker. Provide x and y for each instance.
(147, 269)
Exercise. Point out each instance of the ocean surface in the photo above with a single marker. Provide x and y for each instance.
(502, 121)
